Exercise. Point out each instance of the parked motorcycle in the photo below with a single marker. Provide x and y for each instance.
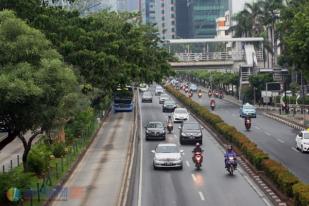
(231, 165)
(198, 159)
(248, 123)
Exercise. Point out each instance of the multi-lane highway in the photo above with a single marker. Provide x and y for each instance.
(275, 138)
(210, 186)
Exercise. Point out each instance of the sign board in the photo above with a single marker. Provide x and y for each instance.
(266, 99)
(274, 94)
(266, 93)
(274, 86)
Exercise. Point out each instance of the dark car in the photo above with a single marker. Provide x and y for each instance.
(155, 130)
(169, 106)
(190, 132)
(147, 97)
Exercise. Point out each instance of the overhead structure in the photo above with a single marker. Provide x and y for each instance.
(213, 40)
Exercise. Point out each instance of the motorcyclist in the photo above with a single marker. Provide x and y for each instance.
(169, 120)
(229, 153)
(197, 148)
(247, 120)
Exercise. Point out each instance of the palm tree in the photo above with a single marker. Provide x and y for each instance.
(255, 15)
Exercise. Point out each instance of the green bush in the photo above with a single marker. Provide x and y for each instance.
(15, 178)
(58, 150)
(301, 194)
(38, 159)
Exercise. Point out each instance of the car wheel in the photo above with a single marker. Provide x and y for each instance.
(154, 167)
(181, 142)
(302, 149)
(180, 168)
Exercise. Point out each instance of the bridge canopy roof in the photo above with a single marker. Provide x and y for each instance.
(190, 41)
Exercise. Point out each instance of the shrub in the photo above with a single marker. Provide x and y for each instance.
(38, 159)
(301, 194)
(58, 150)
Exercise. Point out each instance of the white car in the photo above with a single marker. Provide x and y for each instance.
(302, 141)
(167, 155)
(180, 115)
(163, 97)
(143, 87)
(159, 90)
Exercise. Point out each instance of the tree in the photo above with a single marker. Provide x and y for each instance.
(295, 29)
(34, 82)
(258, 82)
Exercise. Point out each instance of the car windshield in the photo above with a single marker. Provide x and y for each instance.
(155, 125)
(167, 149)
(164, 96)
(191, 126)
(306, 135)
(181, 111)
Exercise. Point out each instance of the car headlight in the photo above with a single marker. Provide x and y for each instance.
(306, 143)
(183, 134)
(198, 134)
(148, 131)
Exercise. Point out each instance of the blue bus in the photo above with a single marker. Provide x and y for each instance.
(123, 99)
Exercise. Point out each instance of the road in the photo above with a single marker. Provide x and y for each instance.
(97, 179)
(210, 186)
(275, 138)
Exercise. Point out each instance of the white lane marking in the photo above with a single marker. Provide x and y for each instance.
(257, 127)
(268, 134)
(201, 196)
(187, 163)
(193, 177)
(139, 203)
(293, 148)
(280, 140)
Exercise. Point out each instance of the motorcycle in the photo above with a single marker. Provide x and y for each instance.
(231, 164)
(248, 124)
(209, 94)
(198, 159)
(169, 127)
(199, 94)
(212, 105)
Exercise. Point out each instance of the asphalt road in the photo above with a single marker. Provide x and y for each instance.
(98, 178)
(275, 138)
(209, 186)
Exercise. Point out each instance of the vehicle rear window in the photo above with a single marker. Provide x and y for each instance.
(306, 135)
(155, 125)
(181, 111)
(191, 126)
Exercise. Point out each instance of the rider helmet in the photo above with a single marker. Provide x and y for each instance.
(229, 148)
(197, 144)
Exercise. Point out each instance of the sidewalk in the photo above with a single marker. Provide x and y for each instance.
(295, 121)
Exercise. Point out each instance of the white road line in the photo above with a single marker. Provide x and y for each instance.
(293, 148)
(257, 127)
(201, 196)
(187, 163)
(268, 134)
(280, 140)
(193, 177)
(139, 203)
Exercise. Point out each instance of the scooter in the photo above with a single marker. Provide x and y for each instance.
(169, 127)
(231, 165)
(212, 105)
(248, 124)
(209, 94)
(199, 94)
(198, 159)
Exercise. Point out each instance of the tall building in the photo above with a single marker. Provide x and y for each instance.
(183, 19)
(204, 14)
(161, 13)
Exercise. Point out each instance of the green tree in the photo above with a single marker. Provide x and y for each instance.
(34, 82)
(258, 82)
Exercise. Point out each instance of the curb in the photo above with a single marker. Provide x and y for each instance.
(65, 178)
(284, 121)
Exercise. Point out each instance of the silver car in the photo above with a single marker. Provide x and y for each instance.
(167, 155)
(163, 97)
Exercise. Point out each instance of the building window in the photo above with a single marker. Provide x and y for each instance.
(162, 11)
(162, 18)
(173, 15)
(162, 4)
(173, 36)
(163, 25)
(173, 22)
(172, 8)
(173, 29)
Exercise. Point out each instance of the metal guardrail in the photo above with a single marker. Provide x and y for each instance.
(216, 56)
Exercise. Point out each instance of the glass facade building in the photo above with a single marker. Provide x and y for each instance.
(204, 14)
